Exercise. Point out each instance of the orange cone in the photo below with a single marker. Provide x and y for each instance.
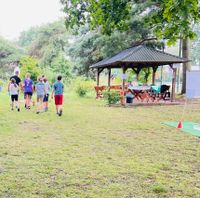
(179, 126)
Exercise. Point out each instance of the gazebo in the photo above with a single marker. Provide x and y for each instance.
(136, 58)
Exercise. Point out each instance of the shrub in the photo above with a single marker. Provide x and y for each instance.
(83, 87)
(81, 91)
(112, 97)
(30, 65)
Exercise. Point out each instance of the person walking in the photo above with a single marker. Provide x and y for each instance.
(40, 91)
(16, 77)
(14, 93)
(28, 90)
(47, 91)
(57, 92)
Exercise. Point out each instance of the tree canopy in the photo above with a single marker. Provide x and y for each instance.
(168, 19)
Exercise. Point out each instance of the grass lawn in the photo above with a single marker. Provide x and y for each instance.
(97, 151)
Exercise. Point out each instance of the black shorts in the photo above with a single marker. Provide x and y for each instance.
(28, 94)
(14, 98)
(46, 98)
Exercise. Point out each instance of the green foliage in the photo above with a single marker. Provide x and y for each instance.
(174, 18)
(47, 43)
(9, 54)
(30, 65)
(158, 188)
(111, 96)
(62, 66)
(144, 75)
(83, 87)
(81, 91)
(90, 47)
(105, 13)
(1, 83)
(169, 19)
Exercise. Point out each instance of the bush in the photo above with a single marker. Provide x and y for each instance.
(83, 87)
(112, 97)
(81, 91)
(30, 65)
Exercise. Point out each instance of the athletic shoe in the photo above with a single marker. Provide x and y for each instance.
(18, 109)
(37, 112)
(60, 114)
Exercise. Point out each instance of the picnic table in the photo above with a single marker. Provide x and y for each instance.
(141, 93)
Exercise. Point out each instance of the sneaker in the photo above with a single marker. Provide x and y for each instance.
(18, 109)
(60, 114)
(12, 109)
(37, 112)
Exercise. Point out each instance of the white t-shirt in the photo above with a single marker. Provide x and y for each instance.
(14, 89)
(47, 87)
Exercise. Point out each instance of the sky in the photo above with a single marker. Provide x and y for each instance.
(19, 15)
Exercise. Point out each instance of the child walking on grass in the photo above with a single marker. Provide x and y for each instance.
(28, 90)
(47, 91)
(14, 93)
(57, 92)
(40, 90)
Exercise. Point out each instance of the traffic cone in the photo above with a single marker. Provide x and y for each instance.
(179, 126)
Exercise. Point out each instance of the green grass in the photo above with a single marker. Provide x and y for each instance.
(97, 151)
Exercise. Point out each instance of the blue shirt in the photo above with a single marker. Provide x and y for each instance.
(40, 89)
(58, 88)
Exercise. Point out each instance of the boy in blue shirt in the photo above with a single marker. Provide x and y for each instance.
(57, 92)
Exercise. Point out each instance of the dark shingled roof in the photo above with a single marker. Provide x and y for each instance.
(139, 56)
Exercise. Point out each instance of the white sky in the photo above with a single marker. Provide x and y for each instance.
(19, 15)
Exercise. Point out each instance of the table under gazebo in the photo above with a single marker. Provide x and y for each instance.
(136, 58)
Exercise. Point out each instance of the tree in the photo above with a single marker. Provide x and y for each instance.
(105, 13)
(168, 19)
(30, 65)
(90, 46)
(10, 54)
(47, 44)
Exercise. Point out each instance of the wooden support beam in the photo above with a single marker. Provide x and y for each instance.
(154, 74)
(123, 80)
(109, 76)
(99, 70)
(123, 85)
(98, 77)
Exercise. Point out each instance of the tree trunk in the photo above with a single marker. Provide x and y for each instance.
(186, 66)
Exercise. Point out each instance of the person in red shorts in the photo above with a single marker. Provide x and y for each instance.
(57, 92)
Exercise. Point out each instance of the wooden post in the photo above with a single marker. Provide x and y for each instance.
(123, 85)
(123, 80)
(173, 83)
(99, 70)
(109, 75)
(154, 74)
(98, 75)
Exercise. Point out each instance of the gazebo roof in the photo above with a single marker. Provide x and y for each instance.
(139, 56)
